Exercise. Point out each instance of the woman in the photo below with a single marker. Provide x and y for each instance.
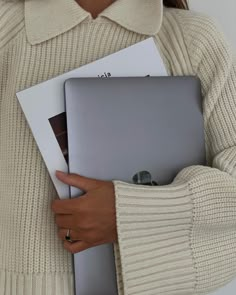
(175, 239)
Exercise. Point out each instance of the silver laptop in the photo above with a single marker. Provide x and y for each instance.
(139, 130)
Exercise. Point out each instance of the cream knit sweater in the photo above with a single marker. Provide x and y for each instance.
(174, 239)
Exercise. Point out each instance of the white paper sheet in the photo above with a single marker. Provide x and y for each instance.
(46, 100)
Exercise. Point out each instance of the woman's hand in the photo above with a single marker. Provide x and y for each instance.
(91, 218)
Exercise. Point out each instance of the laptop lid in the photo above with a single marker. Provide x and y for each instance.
(141, 130)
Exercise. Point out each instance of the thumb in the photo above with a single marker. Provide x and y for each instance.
(76, 180)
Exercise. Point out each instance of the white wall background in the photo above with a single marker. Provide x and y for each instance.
(224, 11)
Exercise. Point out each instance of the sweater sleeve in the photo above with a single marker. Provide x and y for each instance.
(181, 238)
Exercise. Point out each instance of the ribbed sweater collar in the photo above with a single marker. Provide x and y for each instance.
(49, 18)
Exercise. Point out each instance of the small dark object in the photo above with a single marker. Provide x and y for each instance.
(144, 178)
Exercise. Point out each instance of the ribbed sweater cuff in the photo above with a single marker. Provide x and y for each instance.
(154, 226)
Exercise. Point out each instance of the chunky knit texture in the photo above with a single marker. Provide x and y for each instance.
(174, 239)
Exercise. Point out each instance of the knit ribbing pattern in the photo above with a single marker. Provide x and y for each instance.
(11, 18)
(154, 230)
(178, 239)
